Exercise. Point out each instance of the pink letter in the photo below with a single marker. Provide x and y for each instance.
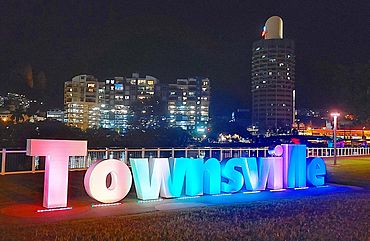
(57, 153)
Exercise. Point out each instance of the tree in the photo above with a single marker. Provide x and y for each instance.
(147, 113)
(159, 137)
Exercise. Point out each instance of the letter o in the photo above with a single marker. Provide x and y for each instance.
(96, 176)
(276, 151)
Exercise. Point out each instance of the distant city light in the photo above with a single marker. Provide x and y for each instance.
(335, 114)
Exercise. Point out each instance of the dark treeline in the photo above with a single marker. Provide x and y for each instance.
(16, 135)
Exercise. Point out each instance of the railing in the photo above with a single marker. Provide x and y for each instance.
(16, 161)
(343, 151)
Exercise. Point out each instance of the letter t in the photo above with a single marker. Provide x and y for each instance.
(57, 153)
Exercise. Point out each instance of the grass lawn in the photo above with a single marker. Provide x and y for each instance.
(333, 217)
(337, 216)
(350, 171)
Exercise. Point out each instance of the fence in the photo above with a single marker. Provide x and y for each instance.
(16, 161)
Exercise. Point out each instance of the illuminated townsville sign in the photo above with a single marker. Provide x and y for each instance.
(172, 177)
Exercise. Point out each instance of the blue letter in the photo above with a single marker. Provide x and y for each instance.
(294, 158)
(167, 177)
(316, 171)
(234, 178)
(212, 176)
(248, 174)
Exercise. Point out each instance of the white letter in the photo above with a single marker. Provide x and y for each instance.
(96, 176)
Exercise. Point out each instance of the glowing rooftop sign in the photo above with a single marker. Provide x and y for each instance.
(173, 177)
(264, 31)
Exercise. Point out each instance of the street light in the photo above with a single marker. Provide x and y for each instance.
(335, 116)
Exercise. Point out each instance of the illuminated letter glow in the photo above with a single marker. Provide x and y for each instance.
(57, 153)
(147, 176)
(166, 177)
(172, 177)
(212, 176)
(96, 180)
(232, 179)
(270, 173)
(316, 171)
(294, 164)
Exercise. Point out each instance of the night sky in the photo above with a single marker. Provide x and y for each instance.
(174, 39)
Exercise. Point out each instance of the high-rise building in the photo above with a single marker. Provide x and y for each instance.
(273, 77)
(122, 103)
(115, 109)
(142, 88)
(145, 101)
(83, 96)
(188, 104)
(130, 103)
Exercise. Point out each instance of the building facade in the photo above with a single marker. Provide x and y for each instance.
(188, 104)
(129, 104)
(273, 78)
(83, 96)
(145, 101)
(136, 102)
(141, 88)
(115, 108)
